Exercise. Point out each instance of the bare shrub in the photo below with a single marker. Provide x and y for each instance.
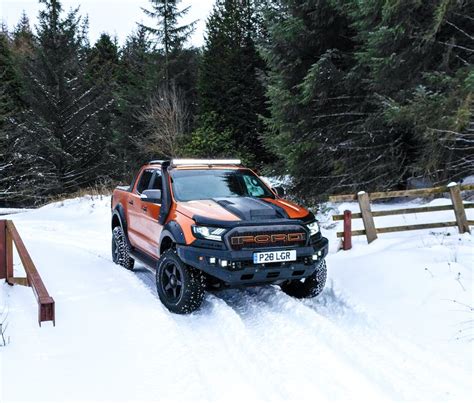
(166, 120)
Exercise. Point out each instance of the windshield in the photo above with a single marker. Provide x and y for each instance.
(202, 184)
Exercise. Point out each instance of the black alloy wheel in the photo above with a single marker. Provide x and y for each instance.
(180, 287)
(172, 281)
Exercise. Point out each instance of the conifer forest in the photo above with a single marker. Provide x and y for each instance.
(337, 95)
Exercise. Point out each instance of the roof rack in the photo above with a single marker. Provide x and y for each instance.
(157, 161)
(178, 161)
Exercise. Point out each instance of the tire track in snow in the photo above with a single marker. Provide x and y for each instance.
(345, 340)
(264, 328)
(228, 348)
(386, 362)
(298, 356)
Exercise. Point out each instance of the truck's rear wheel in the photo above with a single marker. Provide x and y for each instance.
(120, 249)
(180, 287)
(308, 287)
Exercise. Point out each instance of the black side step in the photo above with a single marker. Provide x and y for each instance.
(149, 262)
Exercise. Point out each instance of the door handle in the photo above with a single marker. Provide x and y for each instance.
(130, 202)
(145, 208)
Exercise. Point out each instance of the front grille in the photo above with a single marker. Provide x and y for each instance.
(248, 240)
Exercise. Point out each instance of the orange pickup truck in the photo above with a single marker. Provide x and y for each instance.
(213, 224)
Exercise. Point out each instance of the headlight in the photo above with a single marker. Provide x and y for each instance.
(214, 234)
(313, 228)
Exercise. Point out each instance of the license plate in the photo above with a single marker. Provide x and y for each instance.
(274, 256)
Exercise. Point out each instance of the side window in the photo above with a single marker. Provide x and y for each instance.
(144, 181)
(156, 181)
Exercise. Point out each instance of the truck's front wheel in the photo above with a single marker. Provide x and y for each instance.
(308, 287)
(120, 249)
(180, 287)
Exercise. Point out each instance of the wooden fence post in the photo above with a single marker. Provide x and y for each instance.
(347, 240)
(3, 249)
(458, 207)
(367, 218)
(9, 255)
(6, 252)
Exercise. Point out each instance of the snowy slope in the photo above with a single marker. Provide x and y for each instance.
(7, 211)
(385, 328)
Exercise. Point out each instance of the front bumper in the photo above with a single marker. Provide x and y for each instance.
(240, 269)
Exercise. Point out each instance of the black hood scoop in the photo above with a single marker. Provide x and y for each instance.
(251, 208)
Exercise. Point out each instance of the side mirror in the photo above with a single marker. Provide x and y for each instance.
(280, 191)
(151, 196)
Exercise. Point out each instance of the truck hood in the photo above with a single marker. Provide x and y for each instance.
(242, 209)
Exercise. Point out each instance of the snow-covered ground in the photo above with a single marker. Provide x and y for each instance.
(394, 322)
(7, 211)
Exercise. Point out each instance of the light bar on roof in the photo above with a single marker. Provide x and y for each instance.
(205, 162)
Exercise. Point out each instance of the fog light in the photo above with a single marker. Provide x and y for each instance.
(315, 257)
(224, 263)
(212, 260)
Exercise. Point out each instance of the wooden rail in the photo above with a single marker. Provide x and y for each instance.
(399, 193)
(414, 210)
(9, 236)
(367, 215)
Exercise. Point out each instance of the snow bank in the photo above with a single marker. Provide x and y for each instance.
(394, 323)
(6, 211)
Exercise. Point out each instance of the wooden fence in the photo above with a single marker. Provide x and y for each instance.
(367, 215)
(9, 236)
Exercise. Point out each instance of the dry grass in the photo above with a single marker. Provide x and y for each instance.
(98, 190)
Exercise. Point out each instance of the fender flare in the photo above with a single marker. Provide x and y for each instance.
(174, 231)
(119, 212)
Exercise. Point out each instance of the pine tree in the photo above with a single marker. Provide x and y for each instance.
(137, 80)
(14, 49)
(369, 94)
(314, 108)
(418, 57)
(231, 93)
(102, 60)
(10, 105)
(10, 79)
(101, 73)
(23, 39)
(169, 35)
(56, 138)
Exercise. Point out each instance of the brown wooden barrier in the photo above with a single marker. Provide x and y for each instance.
(370, 231)
(9, 236)
(347, 234)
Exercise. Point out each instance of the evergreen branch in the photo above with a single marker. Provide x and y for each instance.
(460, 30)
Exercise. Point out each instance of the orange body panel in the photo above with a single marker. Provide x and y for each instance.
(292, 209)
(207, 208)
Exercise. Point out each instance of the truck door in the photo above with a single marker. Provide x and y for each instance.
(135, 233)
(150, 227)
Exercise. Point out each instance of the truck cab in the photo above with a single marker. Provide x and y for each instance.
(212, 224)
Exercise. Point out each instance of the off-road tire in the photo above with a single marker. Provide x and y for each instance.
(308, 287)
(121, 249)
(186, 297)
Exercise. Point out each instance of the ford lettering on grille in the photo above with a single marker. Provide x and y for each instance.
(268, 239)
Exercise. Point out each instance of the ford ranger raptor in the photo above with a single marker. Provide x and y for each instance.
(213, 224)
